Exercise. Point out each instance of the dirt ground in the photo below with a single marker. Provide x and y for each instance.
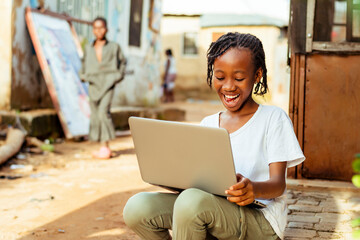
(67, 194)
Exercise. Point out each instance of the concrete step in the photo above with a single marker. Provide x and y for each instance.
(44, 123)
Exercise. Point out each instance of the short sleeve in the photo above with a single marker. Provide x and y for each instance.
(203, 122)
(282, 144)
(211, 121)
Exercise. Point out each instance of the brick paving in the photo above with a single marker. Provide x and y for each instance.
(320, 210)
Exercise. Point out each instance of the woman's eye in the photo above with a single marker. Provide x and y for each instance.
(218, 78)
(239, 79)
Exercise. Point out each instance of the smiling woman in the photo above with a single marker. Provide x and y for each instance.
(263, 145)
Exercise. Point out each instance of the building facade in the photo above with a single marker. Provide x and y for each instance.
(135, 25)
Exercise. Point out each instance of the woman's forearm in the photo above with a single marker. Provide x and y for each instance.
(272, 188)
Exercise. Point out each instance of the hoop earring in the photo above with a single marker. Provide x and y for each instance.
(258, 85)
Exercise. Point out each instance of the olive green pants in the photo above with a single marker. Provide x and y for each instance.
(194, 215)
(101, 125)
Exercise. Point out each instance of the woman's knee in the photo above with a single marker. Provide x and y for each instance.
(192, 202)
(137, 208)
(145, 207)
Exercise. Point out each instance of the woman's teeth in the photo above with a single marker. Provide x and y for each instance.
(231, 97)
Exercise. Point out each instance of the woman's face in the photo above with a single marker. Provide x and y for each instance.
(234, 78)
(99, 29)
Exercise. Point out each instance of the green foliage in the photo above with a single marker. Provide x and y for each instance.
(356, 181)
(355, 222)
(356, 234)
(47, 147)
(356, 165)
(356, 168)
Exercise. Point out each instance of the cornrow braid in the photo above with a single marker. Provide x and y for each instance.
(239, 40)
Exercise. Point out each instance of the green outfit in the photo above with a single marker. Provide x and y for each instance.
(196, 215)
(102, 77)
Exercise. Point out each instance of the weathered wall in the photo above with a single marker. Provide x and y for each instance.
(5, 55)
(28, 88)
(141, 85)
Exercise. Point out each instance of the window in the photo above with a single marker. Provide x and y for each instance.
(354, 20)
(337, 21)
(190, 46)
(135, 23)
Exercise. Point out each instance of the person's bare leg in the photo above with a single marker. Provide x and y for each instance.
(171, 94)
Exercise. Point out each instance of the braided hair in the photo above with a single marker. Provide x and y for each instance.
(239, 40)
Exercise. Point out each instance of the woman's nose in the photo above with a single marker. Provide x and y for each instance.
(229, 85)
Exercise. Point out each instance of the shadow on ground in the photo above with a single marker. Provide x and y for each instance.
(122, 152)
(99, 220)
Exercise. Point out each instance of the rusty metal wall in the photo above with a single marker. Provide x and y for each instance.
(28, 88)
(331, 115)
(296, 103)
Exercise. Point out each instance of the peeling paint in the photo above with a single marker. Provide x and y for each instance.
(5, 55)
(142, 83)
(27, 86)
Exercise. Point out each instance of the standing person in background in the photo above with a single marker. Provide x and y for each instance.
(103, 67)
(169, 76)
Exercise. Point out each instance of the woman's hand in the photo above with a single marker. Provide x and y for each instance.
(242, 193)
(245, 191)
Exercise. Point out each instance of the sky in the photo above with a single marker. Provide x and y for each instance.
(273, 8)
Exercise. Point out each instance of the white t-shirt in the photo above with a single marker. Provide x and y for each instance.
(172, 66)
(266, 138)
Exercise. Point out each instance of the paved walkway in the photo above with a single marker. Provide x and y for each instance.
(321, 209)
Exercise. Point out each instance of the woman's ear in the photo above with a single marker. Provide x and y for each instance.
(258, 75)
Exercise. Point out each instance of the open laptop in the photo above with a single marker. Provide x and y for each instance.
(178, 155)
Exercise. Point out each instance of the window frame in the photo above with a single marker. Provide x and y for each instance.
(349, 21)
(188, 55)
(352, 44)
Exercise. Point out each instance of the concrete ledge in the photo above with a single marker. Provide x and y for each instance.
(44, 123)
(38, 123)
(120, 115)
(323, 184)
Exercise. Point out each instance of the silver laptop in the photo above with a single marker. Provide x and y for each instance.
(181, 155)
(178, 155)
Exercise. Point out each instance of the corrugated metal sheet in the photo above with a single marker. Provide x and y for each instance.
(83, 9)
